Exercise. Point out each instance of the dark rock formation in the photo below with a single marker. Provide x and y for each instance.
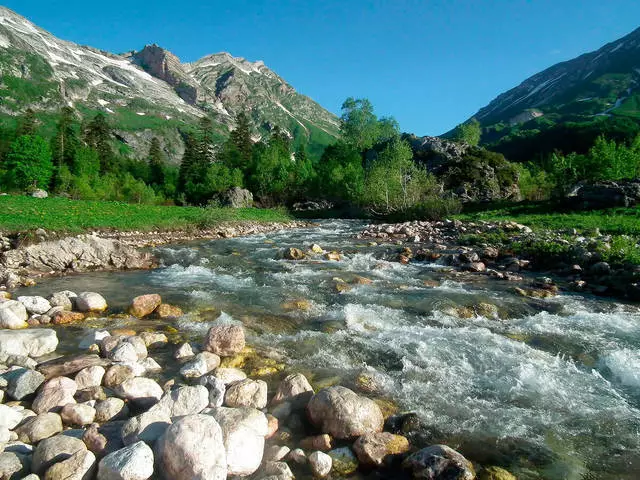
(600, 195)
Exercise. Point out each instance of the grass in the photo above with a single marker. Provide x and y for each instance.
(21, 213)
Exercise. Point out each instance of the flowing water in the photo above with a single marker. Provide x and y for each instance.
(547, 388)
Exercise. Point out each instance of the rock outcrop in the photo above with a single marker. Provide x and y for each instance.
(609, 194)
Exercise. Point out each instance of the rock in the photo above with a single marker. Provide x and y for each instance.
(37, 428)
(79, 466)
(29, 343)
(79, 414)
(320, 464)
(134, 462)
(64, 317)
(495, 473)
(474, 267)
(39, 193)
(9, 417)
(35, 305)
(148, 427)
(600, 269)
(279, 470)
(22, 382)
(166, 311)
(150, 365)
(92, 338)
(154, 339)
(247, 393)
(192, 449)
(13, 315)
(439, 461)
(298, 456)
(293, 254)
(275, 453)
(117, 374)
(216, 389)
(334, 256)
(184, 401)
(90, 302)
(143, 392)
(94, 440)
(605, 194)
(343, 414)
(372, 448)
(184, 351)
(344, 462)
(202, 364)
(125, 352)
(315, 248)
(54, 395)
(319, 442)
(229, 375)
(295, 388)
(272, 425)
(62, 299)
(243, 432)
(225, 340)
(144, 305)
(237, 197)
(90, 377)
(55, 449)
(70, 365)
(111, 409)
(13, 465)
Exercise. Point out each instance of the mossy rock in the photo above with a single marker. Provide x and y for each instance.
(388, 407)
(495, 473)
(301, 304)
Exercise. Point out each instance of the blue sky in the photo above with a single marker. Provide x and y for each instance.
(430, 64)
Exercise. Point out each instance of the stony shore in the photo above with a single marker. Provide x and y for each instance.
(109, 411)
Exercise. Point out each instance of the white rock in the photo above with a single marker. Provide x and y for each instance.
(275, 453)
(13, 315)
(202, 364)
(35, 304)
(320, 464)
(78, 414)
(93, 338)
(29, 343)
(90, 377)
(229, 375)
(125, 352)
(90, 302)
(216, 389)
(134, 462)
(184, 351)
(10, 417)
(143, 392)
(184, 401)
(247, 393)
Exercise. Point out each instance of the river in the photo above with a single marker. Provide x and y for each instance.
(547, 388)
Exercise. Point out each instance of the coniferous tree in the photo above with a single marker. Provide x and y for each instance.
(27, 124)
(29, 162)
(65, 142)
(156, 163)
(98, 137)
(240, 138)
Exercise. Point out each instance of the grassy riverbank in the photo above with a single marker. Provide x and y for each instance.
(20, 213)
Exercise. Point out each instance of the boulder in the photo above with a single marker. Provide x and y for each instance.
(192, 449)
(275, 453)
(293, 254)
(373, 448)
(605, 194)
(64, 317)
(295, 388)
(29, 343)
(216, 388)
(146, 427)
(37, 428)
(125, 352)
(13, 465)
(55, 449)
(79, 466)
(35, 304)
(184, 401)
(22, 382)
(54, 395)
(320, 464)
(10, 417)
(237, 197)
(13, 315)
(134, 462)
(39, 193)
(62, 299)
(90, 302)
(439, 461)
(143, 392)
(111, 409)
(90, 377)
(184, 351)
(243, 432)
(225, 340)
(229, 375)
(95, 441)
(144, 305)
(154, 339)
(166, 311)
(78, 414)
(117, 374)
(203, 363)
(343, 414)
(279, 470)
(247, 393)
(344, 462)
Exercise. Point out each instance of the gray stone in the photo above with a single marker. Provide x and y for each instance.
(247, 393)
(90, 377)
(437, 461)
(10, 417)
(62, 299)
(202, 364)
(78, 414)
(55, 449)
(35, 304)
(184, 351)
(29, 343)
(143, 392)
(237, 197)
(320, 464)
(22, 382)
(192, 449)
(54, 395)
(134, 462)
(117, 374)
(37, 428)
(184, 401)
(216, 389)
(111, 409)
(13, 465)
(125, 352)
(79, 466)
(275, 453)
(146, 427)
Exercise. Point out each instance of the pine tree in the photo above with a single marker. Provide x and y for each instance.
(27, 124)
(98, 136)
(156, 163)
(241, 139)
(65, 142)
(188, 160)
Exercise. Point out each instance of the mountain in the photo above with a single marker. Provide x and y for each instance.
(149, 92)
(603, 83)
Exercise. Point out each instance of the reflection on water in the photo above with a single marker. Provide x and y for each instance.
(549, 389)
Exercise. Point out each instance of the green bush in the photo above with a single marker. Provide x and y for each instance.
(29, 163)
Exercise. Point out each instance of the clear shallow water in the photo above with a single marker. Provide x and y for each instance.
(549, 389)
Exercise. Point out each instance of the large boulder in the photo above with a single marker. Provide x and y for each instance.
(79, 466)
(343, 414)
(13, 315)
(606, 194)
(244, 431)
(225, 340)
(192, 449)
(37, 428)
(54, 395)
(22, 382)
(55, 449)
(237, 197)
(90, 302)
(294, 388)
(39, 193)
(439, 461)
(144, 305)
(134, 462)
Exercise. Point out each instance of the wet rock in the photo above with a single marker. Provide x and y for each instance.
(79, 466)
(295, 388)
(247, 393)
(111, 409)
(333, 256)
(90, 377)
(439, 461)
(203, 363)
(13, 315)
(134, 462)
(184, 351)
(216, 388)
(166, 311)
(243, 431)
(343, 414)
(64, 317)
(344, 462)
(192, 449)
(495, 473)
(22, 382)
(320, 464)
(154, 339)
(117, 374)
(54, 395)
(225, 340)
(62, 299)
(13, 465)
(373, 448)
(322, 442)
(78, 414)
(55, 449)
(535, 292)
(474, 267)
(37, 428)
(142, 392)
(90, 302)
(293, 254)
(144, 305)
(35, 305)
